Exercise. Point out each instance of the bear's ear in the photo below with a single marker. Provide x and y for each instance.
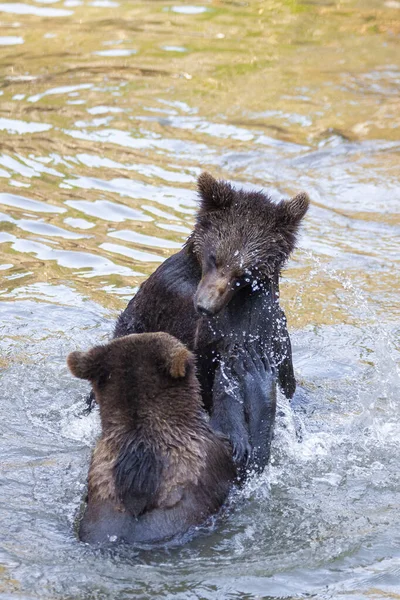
(292, 211)
(87, 365)
(179, 361)
(214, 194)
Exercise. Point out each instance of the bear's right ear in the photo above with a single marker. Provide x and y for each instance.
(86, 365)
(178, 361)
(214, 194)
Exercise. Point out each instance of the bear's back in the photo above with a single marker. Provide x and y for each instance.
(188, 504)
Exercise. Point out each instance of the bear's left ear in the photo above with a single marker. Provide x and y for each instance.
(214, 194)
(87, 365)
(292, 211)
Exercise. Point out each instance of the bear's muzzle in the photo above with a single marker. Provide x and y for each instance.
(213, 293)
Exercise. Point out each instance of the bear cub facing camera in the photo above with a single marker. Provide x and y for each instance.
(158, 468)
(225, 281)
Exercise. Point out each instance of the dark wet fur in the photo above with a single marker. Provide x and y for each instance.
(245, 379)
(241, 238)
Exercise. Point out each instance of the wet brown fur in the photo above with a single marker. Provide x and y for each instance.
(156, 455)
(246, 231)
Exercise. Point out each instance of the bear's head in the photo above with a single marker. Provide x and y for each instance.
(240, 238)
(147, 374)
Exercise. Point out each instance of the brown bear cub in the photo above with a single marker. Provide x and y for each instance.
(158, 468)
(220, 293)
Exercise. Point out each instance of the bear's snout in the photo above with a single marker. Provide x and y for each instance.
(205, 312)
(213, 293)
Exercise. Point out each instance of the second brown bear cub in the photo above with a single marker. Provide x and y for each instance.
(158, 468)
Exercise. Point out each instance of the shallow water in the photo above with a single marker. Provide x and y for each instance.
(109, 111)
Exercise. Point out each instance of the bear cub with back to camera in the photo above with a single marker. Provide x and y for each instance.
(229, 267)
(158, 468)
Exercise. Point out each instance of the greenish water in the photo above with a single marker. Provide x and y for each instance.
(108, 112)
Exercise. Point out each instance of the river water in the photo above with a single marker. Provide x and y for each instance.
(109, 111)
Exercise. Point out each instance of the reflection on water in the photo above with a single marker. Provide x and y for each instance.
(109, 111)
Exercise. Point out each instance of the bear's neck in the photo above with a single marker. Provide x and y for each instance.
(159, 421)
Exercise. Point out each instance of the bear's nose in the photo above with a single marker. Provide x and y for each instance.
(203, 310)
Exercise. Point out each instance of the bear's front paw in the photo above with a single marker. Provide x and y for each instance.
(241, 449)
